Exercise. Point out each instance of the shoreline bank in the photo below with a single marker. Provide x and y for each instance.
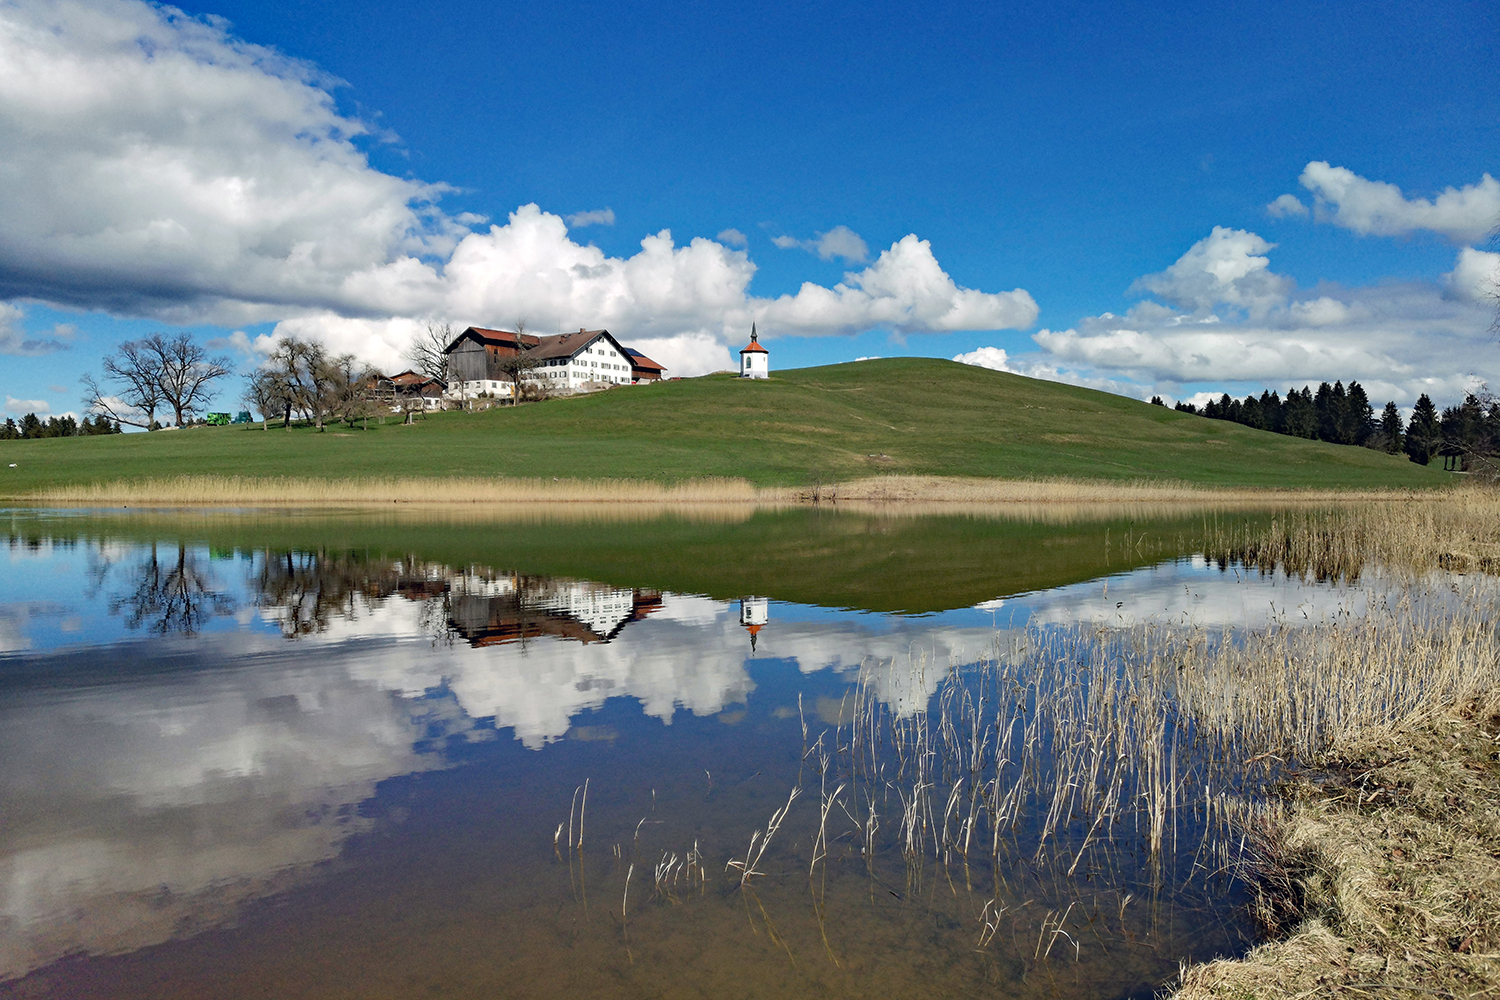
(1381, 873)
(450, 491)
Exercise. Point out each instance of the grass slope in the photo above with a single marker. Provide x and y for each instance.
(840, 422)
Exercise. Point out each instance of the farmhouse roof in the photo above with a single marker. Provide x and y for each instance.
(494, 338)
(639, 360)
(565, 345)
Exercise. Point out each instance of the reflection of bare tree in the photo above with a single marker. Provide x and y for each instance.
(307, 590)
(171, 595)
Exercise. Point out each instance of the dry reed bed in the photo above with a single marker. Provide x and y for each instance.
(954, 489)
(250, 490)
(1383, 871)
(1457, 530)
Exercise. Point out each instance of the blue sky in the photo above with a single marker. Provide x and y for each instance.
(1073, 191)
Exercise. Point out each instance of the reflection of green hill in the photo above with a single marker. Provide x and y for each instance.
(917, 416)
(811, 556)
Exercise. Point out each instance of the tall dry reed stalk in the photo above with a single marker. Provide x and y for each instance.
(1458, 530)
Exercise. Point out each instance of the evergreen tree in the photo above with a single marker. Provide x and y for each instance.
(1270, 409)
(1423, 434)
(31, 427)
(1392, 436)
(1300, 417)
(1358, 421)
(1251, 415)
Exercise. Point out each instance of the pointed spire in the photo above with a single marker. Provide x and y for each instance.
(753, 338)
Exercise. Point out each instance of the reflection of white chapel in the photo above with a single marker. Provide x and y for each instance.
(754, 613)
(755, 361)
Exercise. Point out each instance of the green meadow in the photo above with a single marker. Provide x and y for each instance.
(910, 416)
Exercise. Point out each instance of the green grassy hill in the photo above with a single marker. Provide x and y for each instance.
(894, 416)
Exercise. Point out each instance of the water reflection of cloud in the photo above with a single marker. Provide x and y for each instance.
(163, 799)
(134, 807)
(1191, 592)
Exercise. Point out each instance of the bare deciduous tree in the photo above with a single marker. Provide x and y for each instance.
(426, 353)
(152, 372)
(518, 366)
(267, 393)
(132, 375)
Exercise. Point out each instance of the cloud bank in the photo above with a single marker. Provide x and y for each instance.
(158, 166)
(1226, 317)
(1376, 208)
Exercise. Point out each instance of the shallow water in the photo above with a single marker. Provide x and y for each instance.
(238, 763)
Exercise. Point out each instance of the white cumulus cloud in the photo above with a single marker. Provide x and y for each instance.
(21, 407)
(1233, 320)
(157, 165)
(1475, 277)
(1227, 267)
(906, 290)
(684, 306)
(1376, 208)
(1286, 206)
(15, 342)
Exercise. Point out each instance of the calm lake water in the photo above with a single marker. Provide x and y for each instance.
(403, 754)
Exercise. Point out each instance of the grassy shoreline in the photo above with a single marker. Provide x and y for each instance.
(1381, 871)
(1375, 870)
(221, 490)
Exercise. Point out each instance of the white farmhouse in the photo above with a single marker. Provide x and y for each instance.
(755, 361)
(588, 359)
(568, 362)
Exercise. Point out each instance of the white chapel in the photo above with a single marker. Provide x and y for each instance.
(755, 361)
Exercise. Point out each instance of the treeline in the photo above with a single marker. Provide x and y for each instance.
(1460, 435)
(32, 426)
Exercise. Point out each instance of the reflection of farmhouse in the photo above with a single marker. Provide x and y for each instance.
(511, 609)
(564, 363)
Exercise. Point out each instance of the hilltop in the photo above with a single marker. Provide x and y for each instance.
(902, 416)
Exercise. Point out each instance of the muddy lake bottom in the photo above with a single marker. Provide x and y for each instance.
(250, 768)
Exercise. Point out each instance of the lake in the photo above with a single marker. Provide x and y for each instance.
(629, 752)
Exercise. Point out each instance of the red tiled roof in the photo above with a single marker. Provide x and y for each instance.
(753, 347)
(639, 360)
(494, 338)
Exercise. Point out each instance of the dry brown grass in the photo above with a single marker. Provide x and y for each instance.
(1392, 855)
(1456, 530)
(1383, 862)
(243, 490)
(247, 490)
(963, 490)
